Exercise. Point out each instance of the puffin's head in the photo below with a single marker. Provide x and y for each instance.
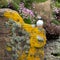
(39, 23)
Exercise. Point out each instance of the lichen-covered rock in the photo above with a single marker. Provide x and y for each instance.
(35, 48)
(52, 50)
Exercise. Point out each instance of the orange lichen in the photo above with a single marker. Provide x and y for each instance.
(35, 45)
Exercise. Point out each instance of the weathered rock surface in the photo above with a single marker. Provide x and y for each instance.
(52, 46)
(3, 38)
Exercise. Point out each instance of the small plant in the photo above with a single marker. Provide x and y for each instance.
(27, 14)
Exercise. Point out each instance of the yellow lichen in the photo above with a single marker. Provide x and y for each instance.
(8, 48)
(13, 15)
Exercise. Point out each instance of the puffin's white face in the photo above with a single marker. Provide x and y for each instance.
(39, 23)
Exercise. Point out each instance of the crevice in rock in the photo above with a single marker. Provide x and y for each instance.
(55, 54)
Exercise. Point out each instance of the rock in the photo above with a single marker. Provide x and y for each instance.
(3, 38)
